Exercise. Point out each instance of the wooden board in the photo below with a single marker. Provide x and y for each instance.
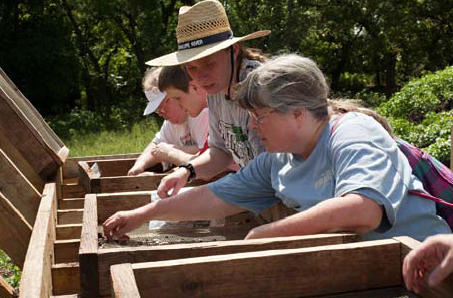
(73, 203)
(66, 251)
(297, 272)
(29, 110)
(88, 252)
(21, 163)
(72, 191)
(123, 281)
(27, 131)
(18, 190)
(86, 175)
(71, 231)
(113, 168)
(109, 257)
(70, 216)
(94, 184)
(6, 291)
(36, 278)
(65, 279)
(71, 167)
(126, 183)
(15, 232)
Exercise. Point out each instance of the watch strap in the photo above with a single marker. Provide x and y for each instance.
(191, 170)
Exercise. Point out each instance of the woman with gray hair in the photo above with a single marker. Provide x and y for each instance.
(339, 175)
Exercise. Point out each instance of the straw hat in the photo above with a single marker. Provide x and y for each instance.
(202, 30)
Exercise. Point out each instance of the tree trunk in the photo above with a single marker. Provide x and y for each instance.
(98, 92)
(390, 77)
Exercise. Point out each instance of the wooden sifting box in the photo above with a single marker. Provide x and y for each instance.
(361, 269)
(111, 176)
(95, 260)
(30, 155)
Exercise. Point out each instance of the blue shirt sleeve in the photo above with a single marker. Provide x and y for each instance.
(366, 161)
(251, 187)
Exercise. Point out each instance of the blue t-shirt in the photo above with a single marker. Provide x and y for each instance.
(359, 157)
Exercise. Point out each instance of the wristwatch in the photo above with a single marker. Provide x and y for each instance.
(191, 170)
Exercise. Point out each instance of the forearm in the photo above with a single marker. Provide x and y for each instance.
(197, 203)
(178, 157)
(146, 159)
(211, 162)
(192, 150)
(351, 213)
(164, 152)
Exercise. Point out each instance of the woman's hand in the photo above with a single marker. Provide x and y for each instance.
(122, 222)
(263, 231)
(175, 181)
(432, 261)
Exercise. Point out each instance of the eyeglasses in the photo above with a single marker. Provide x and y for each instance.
(259, 119)
(163, 105)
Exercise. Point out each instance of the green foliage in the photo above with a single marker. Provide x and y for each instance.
(13, 273)
(431, 93)
(422, 113)
(38, 55)
(91, 54)
(440, 149)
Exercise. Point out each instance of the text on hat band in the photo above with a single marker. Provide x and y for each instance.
(205, 40)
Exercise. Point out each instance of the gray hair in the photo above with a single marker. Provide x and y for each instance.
(284, 83)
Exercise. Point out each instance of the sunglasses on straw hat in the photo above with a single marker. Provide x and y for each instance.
(203, 29)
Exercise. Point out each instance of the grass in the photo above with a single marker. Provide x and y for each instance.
(133, 140)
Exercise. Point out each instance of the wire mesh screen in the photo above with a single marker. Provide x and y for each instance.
(391, 292)
(177, 233)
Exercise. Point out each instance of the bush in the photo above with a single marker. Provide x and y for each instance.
(10, 272)
(422, 112)
(430, 93)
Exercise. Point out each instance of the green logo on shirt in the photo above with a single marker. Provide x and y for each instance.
(240, 136)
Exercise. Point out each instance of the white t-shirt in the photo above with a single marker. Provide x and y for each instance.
(193, 132)
(229, 124)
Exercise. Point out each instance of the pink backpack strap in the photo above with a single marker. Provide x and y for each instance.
(430, 197)
(335, 124)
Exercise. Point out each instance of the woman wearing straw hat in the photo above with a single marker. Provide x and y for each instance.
(346, 175)
(214, 59)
